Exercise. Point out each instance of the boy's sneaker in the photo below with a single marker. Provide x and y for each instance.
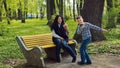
(80, 63)
(88, 63)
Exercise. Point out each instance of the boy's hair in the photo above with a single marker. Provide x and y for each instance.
(78, 17)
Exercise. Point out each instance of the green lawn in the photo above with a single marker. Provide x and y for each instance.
(9, 48)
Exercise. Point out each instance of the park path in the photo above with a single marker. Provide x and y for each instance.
(99, 61)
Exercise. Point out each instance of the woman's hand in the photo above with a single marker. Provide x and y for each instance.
(66, 28)
(62, 39)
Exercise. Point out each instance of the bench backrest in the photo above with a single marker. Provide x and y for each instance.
(34, 40)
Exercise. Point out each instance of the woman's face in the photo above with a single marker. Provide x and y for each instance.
(59, 20)
(80, 20)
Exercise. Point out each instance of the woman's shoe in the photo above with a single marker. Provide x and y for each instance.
(74, 59)
(58, 59)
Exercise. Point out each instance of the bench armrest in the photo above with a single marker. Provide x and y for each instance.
(75, 42)
(38, 51)
(34, 56)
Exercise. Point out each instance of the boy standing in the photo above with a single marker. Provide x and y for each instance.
(84, 29)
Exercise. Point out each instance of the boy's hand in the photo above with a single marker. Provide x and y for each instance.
(104, 30)
(83, 26)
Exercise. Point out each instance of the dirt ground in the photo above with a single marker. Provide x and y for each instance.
(99, 61)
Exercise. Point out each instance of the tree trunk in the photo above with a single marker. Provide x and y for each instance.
(118, 18)
(81, 6)
(78, 7)
(74, 9)
(41, 13)
(23, 16)
(64, 11)
(61, 8)
(24, 11)
(0, 16)
(10, 13)
(50, 11)
(111, 17)
(19, 13)
(70, 10)
(109, 4)
(14, 15)
(117, 5)
(92, 12)
(0, 11)
(7, 11)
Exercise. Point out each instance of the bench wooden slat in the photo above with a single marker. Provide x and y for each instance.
(43, 40)
(38, 42)
(46, 46)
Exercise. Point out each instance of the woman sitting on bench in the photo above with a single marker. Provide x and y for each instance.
(60, 37)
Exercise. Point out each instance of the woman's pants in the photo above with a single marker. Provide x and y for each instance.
(63, 43)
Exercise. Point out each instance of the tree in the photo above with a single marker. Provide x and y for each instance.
(7, 11)
(117, 6)
(60, 6)
(1, 10)
(70, 8)
(79, 4)
(13, 6)
(41, 8)
(74, 9)
(64, 10)
(22, 10)
(118, 18)
(92, 12)
(50, 11)
(111, 15)
(0, 16)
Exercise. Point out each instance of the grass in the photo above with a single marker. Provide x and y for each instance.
(4, 66)
(9, 48)
(111, 45)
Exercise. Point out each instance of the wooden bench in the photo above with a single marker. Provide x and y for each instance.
(35, 46)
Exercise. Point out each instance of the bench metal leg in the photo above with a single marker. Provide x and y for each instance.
(51, 53)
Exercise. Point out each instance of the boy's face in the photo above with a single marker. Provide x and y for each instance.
(80, 20)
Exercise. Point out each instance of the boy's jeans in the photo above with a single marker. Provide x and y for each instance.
(84, 55)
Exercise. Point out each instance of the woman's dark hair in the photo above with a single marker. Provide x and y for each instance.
(55, 23)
